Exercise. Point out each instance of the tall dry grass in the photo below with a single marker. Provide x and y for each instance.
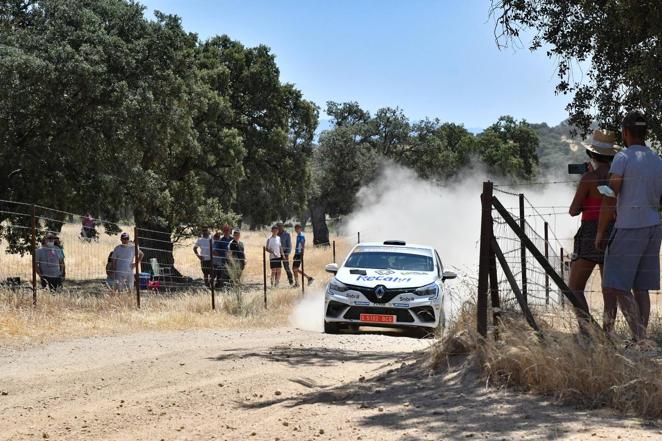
(591, 373)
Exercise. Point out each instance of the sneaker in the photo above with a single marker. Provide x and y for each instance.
(310, 281)
(296, 285)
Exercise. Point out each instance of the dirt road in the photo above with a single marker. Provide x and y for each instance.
(281, 384)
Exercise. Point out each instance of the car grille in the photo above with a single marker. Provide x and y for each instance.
(401, 315)
(389, 295)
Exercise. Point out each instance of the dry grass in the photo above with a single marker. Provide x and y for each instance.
(591, 374)
(90, 309)
(76, 314)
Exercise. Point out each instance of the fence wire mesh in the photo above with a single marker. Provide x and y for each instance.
(91, 256)
(543, 295)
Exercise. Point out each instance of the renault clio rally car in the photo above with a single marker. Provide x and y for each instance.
(390, 284)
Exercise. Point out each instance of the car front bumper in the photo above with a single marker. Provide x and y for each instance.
(409, 310)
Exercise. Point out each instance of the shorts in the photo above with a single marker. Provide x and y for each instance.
(632, 259)
(206, 267)
(276, 263)
(53, 283)
(296, 260)
(585, 242)
(124, 281)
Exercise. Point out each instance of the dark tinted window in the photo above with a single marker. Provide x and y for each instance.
(394, 261)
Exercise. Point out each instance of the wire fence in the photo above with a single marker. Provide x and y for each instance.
(542, 294)
(44, 249)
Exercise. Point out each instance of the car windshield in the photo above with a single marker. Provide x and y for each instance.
(389, 260)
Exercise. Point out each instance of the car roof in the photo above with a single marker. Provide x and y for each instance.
(408, 248)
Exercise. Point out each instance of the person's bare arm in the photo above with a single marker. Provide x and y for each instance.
(607, 211)
(580, 195)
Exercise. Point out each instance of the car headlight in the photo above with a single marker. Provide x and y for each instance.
(430, 290)
(337, 285)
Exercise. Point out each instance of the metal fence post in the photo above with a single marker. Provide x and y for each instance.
(264, 274)
(358, 237)
(212, 279)
(303, 283)
(136, 251)
(547, 258)
(522, 224)
(562, 258)
(483, 266)
(33, 245)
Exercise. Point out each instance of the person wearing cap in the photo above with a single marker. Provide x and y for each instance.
(587, 202)
(286, 242)
(275, 250)
(237, 257)
(632, 252)
(50, 263)
(220, 249)
(124, 263)
(202, 250)
(299, 248)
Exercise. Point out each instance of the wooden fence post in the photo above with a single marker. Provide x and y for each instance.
(486, 234)
(212, 281)
(264, 274)
(334, 251)
(135, 257)
(547, 258)
(33, 245)
(522, 224)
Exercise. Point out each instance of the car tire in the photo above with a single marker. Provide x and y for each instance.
(331, 328)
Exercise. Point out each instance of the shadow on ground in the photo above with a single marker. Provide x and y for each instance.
(452, 403)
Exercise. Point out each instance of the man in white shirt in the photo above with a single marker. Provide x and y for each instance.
(124, 263)
(275, 251)
(202, 249)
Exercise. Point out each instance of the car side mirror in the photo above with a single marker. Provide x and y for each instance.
(331, 268)
(447, 275)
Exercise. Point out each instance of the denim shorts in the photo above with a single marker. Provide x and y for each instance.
(632, 259)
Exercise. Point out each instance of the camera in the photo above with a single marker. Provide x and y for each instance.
(578, 169)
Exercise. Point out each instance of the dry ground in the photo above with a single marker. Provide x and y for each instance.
(279, 384)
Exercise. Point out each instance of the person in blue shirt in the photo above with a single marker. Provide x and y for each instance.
(220, 256)
(299, 248)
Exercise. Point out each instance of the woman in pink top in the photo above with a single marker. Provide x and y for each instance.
(587, 201)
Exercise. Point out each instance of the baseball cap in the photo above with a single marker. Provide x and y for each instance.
(634, 118)
(124, 236)
(275, 227)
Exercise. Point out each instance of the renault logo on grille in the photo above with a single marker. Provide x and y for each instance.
(380, 291)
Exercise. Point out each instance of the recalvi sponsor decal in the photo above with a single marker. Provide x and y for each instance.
(383, 279)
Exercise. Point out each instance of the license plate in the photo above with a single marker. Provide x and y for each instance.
(377, 318)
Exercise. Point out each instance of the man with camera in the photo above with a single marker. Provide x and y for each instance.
(632, 256)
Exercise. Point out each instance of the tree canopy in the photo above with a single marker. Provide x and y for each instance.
(103, 109)
(618, 42)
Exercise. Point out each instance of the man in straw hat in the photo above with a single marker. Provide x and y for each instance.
(632, 256)
(587, 202)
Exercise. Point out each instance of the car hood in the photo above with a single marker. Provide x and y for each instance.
(388, 278)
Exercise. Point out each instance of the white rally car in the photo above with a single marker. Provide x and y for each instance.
(391, 284)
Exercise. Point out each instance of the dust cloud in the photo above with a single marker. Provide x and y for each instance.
(308, 313)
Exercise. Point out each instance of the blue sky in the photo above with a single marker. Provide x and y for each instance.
(434, 58)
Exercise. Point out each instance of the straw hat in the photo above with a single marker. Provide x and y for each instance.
(603, 143)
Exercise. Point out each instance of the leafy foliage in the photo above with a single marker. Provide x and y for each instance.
(103, 109)
(620, 41)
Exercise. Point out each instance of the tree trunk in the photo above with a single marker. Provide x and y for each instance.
(318, 219)
(155, 241)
